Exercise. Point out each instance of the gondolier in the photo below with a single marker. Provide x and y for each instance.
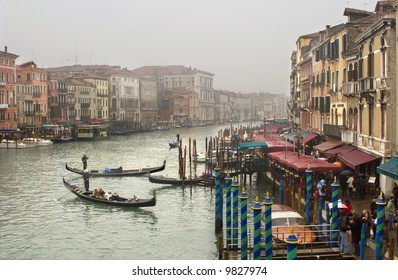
(84, 160)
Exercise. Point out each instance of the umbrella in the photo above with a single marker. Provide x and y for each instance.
(340, 205)
(346, 172)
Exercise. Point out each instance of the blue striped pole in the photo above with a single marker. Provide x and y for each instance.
(308, 174)
(320, 222)
(257, 230)
(268, 226)
(335, 197)
(327, 223)
(381, 203)
(228, 180)
(219, 195)
(362, 244)
(235, 212)
(243, 224)
(281, 192)
(291, 242)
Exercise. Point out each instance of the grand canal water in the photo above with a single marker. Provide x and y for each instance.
(38, 222)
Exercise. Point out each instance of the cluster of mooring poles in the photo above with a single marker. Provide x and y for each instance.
(228, 198)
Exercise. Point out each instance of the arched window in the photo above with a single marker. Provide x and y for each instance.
(344, 117)
(336, 116)
(356, 119)
(350, 119)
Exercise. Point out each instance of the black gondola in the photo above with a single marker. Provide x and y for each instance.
(115, 200)
(114, 172)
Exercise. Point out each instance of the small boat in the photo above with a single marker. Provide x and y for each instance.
(179, 182)
(115, 199)
(114, 172)
(285, 220)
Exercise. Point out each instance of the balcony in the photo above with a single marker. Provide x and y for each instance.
(29, 113)
(367, 84)
(350, 89)
(333, 130)
(84, 105)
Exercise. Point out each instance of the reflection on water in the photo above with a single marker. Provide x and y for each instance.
(39, 221)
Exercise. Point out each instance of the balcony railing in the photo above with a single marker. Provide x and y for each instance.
(332, 130)
(350, 88)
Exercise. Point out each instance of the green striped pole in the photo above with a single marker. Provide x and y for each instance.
(335, 196)
(381, 203)
(257, 230)
(243, 224)
(235, 212)
(291, 242)
(268, 226)
(219, 194)
(308, 174)
(228, 180)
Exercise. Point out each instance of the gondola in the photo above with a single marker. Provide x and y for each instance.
(115, 201)
(179, 182)
(114, 172)
(175, 143)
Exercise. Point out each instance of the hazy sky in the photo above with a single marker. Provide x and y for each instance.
(247, 44)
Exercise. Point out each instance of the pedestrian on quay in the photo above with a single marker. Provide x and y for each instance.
(344, 226)
(350, 183)
(390, 212)
(386, 238)
(321, 187)
(373, 215)
(367, 220)
(348, 205)
(343, 185)
(362, 186)
(84, 160)
(355, 225)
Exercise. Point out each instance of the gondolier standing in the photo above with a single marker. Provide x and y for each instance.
(84, 160)
(86, 178)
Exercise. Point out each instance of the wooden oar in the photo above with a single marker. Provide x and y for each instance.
(63, 196)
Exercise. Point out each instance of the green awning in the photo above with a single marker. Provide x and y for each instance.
(252, 145)
(390, 168)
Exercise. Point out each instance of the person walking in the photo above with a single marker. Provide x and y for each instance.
(350, 183)
(321, 187)
(367, 220)
(84, 160)
(355, 225)
(343, 228)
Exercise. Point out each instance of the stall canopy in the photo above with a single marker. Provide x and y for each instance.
(300, 164)
(355, 158)
(339, 150)
(252, 145)
(390, 168)
(310, 137)
(328, 145)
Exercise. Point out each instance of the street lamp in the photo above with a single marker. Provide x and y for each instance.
(298, 139)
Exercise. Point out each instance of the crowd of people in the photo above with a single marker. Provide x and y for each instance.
(350, 219)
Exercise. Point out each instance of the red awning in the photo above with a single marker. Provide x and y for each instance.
(355, 158)
(339, 150)
(301, 163)
(328, 145)
(310, 137)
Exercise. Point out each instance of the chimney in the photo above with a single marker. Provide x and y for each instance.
(5, 48)
(327, 30)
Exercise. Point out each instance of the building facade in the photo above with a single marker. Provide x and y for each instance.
(8, 102)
